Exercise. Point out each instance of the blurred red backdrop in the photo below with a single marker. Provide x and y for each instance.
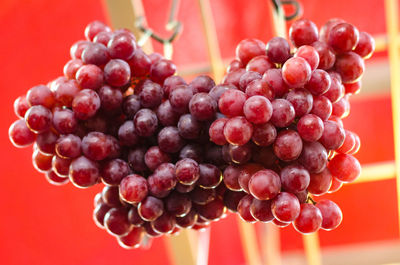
(43, 224)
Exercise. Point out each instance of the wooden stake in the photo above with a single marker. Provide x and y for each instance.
(249, 242)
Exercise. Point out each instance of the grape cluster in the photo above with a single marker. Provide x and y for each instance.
(176, 155)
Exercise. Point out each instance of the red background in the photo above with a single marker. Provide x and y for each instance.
(43, 224)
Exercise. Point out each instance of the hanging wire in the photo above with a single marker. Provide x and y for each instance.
(172, 25)
(278, 5)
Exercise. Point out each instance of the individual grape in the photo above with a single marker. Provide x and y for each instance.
(247, 78)
(320, 182)
(155, 57)
(337, 120)
(151, 95)
(231, 102)
(202, 196)
(68, 146)
(113, 171)
(248, 49)
(295, 178)
(278, 50)
(327, 27)
(301, 100)
(322, 107)
(343, 37)
(180, 97)
(365, 46)
(178, 204)
(94, 28)
(319, 83)
(90, 76)
(116, 222)
(303, 32)
(95, 146)
(189, 127)
(84, 172)
(136, 159)
(356, 145)
(257, 109)
(95, 53)
(202, 107)
(310, 54)
(145, 122)
(238, 131)
(275, 80)
(313, 157)
(155, 157)
(166, 114)
(77, 49)
(133, 188)
(309, 220)
(161, 70)
(283, 113)
(202, 84)
(218, 90)
(210, 176)
(310, 127)
(133, 239)
(264, 134)
(164, 224)
(260, 87)
(86, 104)
(121, 46)
(245, 173)
(211, 211)
(193, 151)
(169, 140)
(150, 232)
(345, 168)
(134, 217)
(234, 65)
(285, 207)
(187, 171)
(233, 78)
(326, 55)
(110, 195)
(243, 209)
(38, 118)
(98, 214)
(163, 180)
(139, 63)
(216, 131)
(350, 66)
(296, 72)
(65, 92)
(60, 166)
(117, 73)
(335, 186)
(265, 156)
(46, 142)
(348, 144)
(331, 214)
(333, 135)
(353, 88)
(231, 177)
(54, 179)
(127, 135)
(111, 98)
(261, 210)
(288, 145)
(260, 64)
(171, 83)
(21, 105)
(64, 121)
(182, 188)
(239, 154)
(265, 184)
(231, 199)
(41, 162)
(150, 208)
(341, 108)
(40, 95)
(188, 220)
(335, 91)
(103, 37)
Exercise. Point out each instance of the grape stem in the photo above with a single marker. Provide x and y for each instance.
(310, 200)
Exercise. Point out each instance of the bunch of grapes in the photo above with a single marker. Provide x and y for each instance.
(176, 155)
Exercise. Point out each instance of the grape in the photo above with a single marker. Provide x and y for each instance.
(96, 146)
(231, 199)
(90, 76)
(211, 211)
(231, 177)
(341, 108)
(278, 50)
(117, 73)
(121, 46)
(103, 37)
(243, 209)
(65, 92)
(322, 107)
(288, 145)
(202, 107)
(54, 179)
(296, 72)
(161, 70)
(257, 109)
(68, 146)
(41, 162)
(353, 88)
(77, 49)
(116, 222)
(155, 157)
(201, 83)
(283, 113)
(265, 156)
(178, 204)
(94, 28)
(357, 145)
(248, 49)
(348, 144)
(210, 176)
(239, 154)
(60, 166)
(350, 66)
(295, 178)
(38, 118)
(303, 32)
(245, 173)
(139, 63)
(188, 220)
(320, 182)
(260, 64)
(234, 65)
(335, 91)
(150, 231)
(335, 186)
(275, 81)
(343, 37)
(218, 90)
(231, 102)
(279, 223)
(319, 82)
(247, 78)
(84, 172)
(216, 131)
(202, 196)
(111, 98)
(95, 53)
(133, 239)
(86, 104)
(40, 95)
(99, 212)
(260, 87)
(180, 97)
(331, 214)
(113, 171)
(265, 184)
(166, 114)
(21, 105)
(313, 157)
(345, 167)
(285, 207)
(333, 135)
(163, 180)
(310, 54)
(127, 135)
(134, 217)
(187, 171)
(310, 127)
(145, 122)
(264, 134)
(365, 46)
(150, 208)
(326, 55)
(301, 100)
(238, 131)
(326, 28)
(233, 78)
(309, 220)
(164, 224)
(261, 210)
(169, 140)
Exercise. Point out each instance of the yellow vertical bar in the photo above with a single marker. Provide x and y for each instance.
(217, 66)
(312, 249)
(123, 14)
(182, 248)
(392, 20)
(271, 245)
(249, 242)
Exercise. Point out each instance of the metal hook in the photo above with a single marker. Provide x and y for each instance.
(278, 4)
